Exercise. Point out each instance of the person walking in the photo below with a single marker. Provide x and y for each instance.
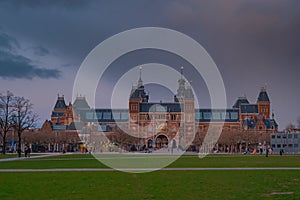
(267, 152)
(281, 152)
(25, 152)
(28, 152)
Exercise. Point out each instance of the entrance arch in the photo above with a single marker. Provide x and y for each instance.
(161, 141)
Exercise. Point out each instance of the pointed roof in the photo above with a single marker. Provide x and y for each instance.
(189, 92)
(80, 103)
(240, 101)
(263, 96)
(60, 103)
(138, 92)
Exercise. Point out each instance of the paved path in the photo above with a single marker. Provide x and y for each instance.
(147, 169)
(23, 158)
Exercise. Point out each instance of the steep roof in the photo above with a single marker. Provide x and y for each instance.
(188, 94)
(263, 96)
(60, 103)
(240, 101)
(137, 93)
(80, 103)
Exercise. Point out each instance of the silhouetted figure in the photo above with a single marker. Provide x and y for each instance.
(267, 152)
(281, 152)
(26, 152)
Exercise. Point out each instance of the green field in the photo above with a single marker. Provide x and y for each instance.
(222, 184)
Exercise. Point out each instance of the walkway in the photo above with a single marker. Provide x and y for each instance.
(148, 169)
(32, 157)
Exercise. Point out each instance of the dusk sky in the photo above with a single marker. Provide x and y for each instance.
(254, 43)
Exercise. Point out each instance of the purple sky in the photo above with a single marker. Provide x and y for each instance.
(254, 43)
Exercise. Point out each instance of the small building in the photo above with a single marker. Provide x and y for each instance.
(289, 142)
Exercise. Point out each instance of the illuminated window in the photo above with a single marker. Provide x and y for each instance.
(198, 115)
(207, 115)
(234, 115)
(216, 115)
(106, 115)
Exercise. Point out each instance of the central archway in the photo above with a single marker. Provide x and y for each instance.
(161, 141)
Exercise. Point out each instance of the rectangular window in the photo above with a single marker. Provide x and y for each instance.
(234, 115)
(290, 145)
(124, 115)
(278, 136)
(134, 117)
(216, 115)
(173, 117)
(273, 145)
(162, 116)
(161, 108)
(116, 115)
(133, 107)
(290, 136)
(99, 115)
(106, 115)
(198, 115)
(296, 145)
(225, 115)
(273, 136)
(207, 115)
(296, 135)
(278, 145)
(283, 136)
(89, 115)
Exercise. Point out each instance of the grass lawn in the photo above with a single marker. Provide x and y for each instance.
(239, 184)
(154, 185)
(8, 156)
(218, 161)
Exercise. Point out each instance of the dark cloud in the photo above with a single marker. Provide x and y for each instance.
(7, 42)
(40, 51)
(20, 67)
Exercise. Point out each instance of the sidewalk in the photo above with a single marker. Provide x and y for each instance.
(32, 157)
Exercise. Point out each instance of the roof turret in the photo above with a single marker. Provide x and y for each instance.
(240, 101)
(60, 103)
(263, 96)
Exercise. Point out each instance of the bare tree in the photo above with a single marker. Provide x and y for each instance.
(121, 138)
(290, 127)
(23, 118)
(6, 109)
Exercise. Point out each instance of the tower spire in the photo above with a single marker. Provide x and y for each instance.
(140, 82)
(181, 71)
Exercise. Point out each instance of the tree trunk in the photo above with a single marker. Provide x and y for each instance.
(4, 144)
(19, 144)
